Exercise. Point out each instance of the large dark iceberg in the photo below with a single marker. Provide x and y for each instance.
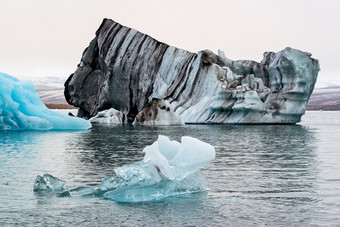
(126, 70)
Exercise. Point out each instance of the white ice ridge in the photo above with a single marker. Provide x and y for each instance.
(168, 169)
(22, 109)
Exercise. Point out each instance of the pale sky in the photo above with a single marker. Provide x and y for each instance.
(46, 38)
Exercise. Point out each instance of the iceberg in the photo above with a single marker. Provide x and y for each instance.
(22, 109)
(125, 69)
(168, 169)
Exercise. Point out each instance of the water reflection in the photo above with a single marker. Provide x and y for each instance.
(262, 175)
(258, 169)
(267, 168)
(24, 155)
(249, 159)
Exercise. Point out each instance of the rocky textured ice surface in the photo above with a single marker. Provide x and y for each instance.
(158, 112)
(126, 69)
(168, 169)
(110, 116)
(48, 182)
(22, 109)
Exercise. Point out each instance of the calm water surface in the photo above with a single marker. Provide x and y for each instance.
(281, 175)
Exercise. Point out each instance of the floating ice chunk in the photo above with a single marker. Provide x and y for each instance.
(48, 182)
(168, 169)
(22, 109)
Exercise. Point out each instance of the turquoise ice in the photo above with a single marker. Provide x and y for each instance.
(22, 109)
(169, 169)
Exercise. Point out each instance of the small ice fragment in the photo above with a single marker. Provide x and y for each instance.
(48, 182)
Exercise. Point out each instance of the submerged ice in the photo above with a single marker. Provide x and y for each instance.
(22, 109)
(168, 169)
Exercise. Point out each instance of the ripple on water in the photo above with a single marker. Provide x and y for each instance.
(265, 174)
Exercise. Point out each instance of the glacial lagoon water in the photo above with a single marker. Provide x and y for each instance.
(281, 175)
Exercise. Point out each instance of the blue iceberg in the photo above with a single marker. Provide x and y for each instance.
(22, 109)
(168, 169)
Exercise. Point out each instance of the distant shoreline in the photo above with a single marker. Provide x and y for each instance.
(323, 107)
(309, 107)
(59, 106)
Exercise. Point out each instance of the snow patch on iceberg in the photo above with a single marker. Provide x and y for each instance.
(22, 109)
